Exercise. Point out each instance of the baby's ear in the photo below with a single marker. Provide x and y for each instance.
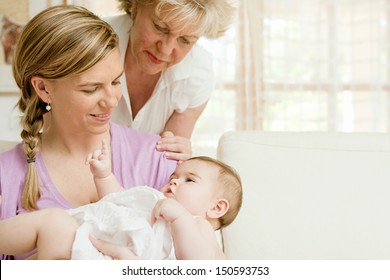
(220, 208)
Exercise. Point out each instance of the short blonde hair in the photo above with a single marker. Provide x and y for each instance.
(214, 17)
(57, 42)
(230, 186)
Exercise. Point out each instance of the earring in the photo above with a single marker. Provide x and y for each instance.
(48, 107)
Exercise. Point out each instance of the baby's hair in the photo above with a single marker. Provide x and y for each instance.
(231, 186)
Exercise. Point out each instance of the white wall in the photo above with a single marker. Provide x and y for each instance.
(9, 118)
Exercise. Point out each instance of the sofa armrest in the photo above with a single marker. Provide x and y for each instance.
(314, 195)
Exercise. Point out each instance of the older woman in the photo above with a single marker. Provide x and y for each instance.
(67, 62)
(168, 76)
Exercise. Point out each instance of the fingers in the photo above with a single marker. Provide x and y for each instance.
(105, 149)
(167, 134)
(117, 252)
(180, 157)
(89, 159)
(156, 212)
(99, 154)
(176, 147)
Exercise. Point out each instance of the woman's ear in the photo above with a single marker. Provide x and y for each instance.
(39, 85)
(220, 208)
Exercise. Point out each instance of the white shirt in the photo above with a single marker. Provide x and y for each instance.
(187, 84)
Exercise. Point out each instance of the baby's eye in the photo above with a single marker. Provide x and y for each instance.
(190, 180)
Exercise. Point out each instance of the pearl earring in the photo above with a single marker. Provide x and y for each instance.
(48, 107)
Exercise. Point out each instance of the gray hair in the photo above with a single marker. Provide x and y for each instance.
(213, 16)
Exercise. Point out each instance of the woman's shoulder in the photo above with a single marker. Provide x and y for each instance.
(196, 66)
(12, 165)
(198, 51)
(6, 145)
(198, 57)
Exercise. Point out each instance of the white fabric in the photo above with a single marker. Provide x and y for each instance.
(188, 84)
(123, 218)
(309, 195)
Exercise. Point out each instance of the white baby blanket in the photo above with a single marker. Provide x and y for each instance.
(123, 218)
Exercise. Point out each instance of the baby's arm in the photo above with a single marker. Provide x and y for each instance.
(193, 238)
(100, 165)
(51, 231)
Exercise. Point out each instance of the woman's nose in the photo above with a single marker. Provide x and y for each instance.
(112, 97)
(166, 45)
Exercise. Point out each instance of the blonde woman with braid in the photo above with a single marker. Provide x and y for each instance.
(67, 64)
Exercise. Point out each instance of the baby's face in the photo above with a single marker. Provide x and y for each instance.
(194, 185)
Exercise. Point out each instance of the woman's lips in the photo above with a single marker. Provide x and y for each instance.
(102, 117)
(154, 59)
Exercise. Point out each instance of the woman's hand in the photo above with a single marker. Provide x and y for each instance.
(175, 147)
(116, 252)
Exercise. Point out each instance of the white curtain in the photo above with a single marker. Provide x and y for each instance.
(314, 65)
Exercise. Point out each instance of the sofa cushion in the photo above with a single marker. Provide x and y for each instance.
(312, 195)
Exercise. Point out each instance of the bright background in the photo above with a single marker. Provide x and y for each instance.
(302, 65)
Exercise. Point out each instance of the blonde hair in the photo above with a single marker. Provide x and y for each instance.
(57, 42)
(213, 16)
(230, 184)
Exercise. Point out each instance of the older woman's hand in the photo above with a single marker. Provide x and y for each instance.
(175, 147)
(116, 252)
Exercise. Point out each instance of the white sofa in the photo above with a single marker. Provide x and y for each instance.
(309, 196)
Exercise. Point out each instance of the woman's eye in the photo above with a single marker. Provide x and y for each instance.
(184, 41)
(89, 91)
(115, 83)
(161, 29)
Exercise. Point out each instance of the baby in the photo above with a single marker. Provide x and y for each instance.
(203, 195)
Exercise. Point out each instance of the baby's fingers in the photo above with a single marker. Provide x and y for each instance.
(105, 149)
(89, 159)
(156, 213)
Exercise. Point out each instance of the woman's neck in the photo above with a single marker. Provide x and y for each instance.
(53, 141)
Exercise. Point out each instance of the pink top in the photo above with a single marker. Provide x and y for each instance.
(135, 162)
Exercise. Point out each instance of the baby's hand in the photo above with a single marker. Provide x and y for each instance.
(167, 209)
(99, 161)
